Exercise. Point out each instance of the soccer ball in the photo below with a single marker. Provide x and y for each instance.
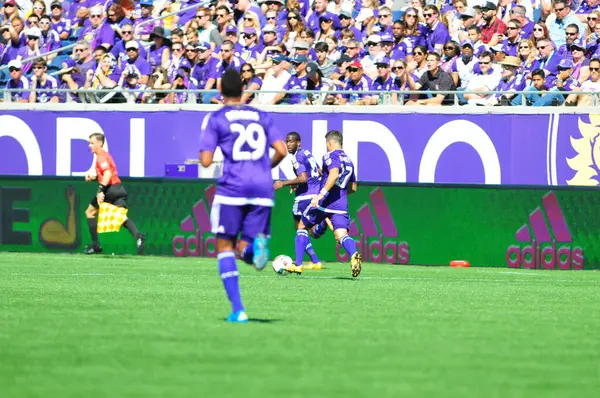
(280, 262)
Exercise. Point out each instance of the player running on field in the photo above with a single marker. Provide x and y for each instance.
(245, 196)
(306, 185)
(338, 180)
(111, 191)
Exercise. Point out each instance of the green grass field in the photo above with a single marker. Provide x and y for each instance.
(80, 326)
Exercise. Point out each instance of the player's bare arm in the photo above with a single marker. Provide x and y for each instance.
(206, 158)
(352, 188)
(280, 152)
(301, 179)
(331, 179)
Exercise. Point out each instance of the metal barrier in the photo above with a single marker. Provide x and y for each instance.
(88, 95)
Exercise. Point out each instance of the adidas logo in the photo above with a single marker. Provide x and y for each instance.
(384, 247)
(548, 248)
(197, 244)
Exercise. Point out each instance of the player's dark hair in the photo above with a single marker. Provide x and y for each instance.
(99, 137)
(335, 135)
(295, 136)
(231, 84)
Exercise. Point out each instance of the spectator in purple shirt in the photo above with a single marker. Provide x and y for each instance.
(438, 34)
(119, 48)
(143, 67)
(549, 60)
(97, 32)
(563, 87)
(572, 34)
(357, 82)
(60, 24)
(228, 60)
(513, 36)
(252, 48)
(32, 49)
(49, 39)
(143, 32)
(250, 81)
(15, 37)
(384, 81)
(511, 80)
(17, 81)
(41, 80)
(519, 12)
(159, 52)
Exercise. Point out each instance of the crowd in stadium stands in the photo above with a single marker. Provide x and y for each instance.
(548, 49)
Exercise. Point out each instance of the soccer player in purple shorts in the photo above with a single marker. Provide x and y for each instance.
(338, 180)
(244, 197)
(306, 184)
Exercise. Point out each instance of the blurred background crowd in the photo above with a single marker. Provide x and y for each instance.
(371, 50)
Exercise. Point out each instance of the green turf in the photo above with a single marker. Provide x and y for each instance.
(80, 326)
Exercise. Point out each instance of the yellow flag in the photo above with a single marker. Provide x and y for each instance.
(110, 218)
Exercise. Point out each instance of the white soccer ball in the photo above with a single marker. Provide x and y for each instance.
(280, 262)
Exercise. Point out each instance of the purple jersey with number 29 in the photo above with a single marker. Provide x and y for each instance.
(244, 135)
(337, 198)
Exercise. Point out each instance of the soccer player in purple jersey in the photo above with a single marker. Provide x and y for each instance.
(244, 197)
(338, 180)
(306, 185)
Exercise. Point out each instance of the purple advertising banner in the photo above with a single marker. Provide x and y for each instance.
(445, 148)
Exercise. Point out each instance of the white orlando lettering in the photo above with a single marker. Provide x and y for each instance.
(242, 115)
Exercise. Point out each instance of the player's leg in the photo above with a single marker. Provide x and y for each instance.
(299, 208)
(341, 225)
(319, 230)
(256, 229)
(310, 217)
(225, 222)
(90, 214)
(117, 195)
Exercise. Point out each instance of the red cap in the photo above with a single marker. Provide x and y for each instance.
(10, 2)
(356, 64)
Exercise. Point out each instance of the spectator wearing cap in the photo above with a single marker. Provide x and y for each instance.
(325, 26)
(467, 19)
(323, 62)
(207, 32)
(437, 35)
(66, 81)
(346, 22)
(60, 24)
(298, 81)
(518, 13)
(563, 89)
(513, 36)
(356, 82)
(463, 69)
(549, 60)
(130, 81)
(302, 47)
(581, 65)
(373, 45)
(313, 20)
(41, 80)
(159, 52)
(17, 81)
(487, 80)
(205, 69)
(118, 49)
(433, 80)
(275, 79)
(269, 35)
(133, 53)
(317, 82)
(252, 48)
(572, 34)
(32, 49)
(250, 82)
(228, 60)
(592, 84)
(143, 32)
(384, 80)
(340, 73)
(232, 36)
(179, 85)
(14, 35)
(557, 21)
(97, 32)
(474, 33)
(511, 81)
(492, 31)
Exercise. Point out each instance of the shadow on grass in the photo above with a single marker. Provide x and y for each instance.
(344, 278)
(259, 320)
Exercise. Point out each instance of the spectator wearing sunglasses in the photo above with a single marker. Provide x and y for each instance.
(143, 32)
(297, 81)
(17, 81)
(49, 38)
(513, 37)
(437, 34)
(133, 53)
(384, 81)
(41, 80)
(32, 49)
(252, 48)
(313, 21)
(549, 60)
(357, 82)
(119, 50)
(519, 13)
(561, 17)
(97, 32)
(60, 24)
(232, 35)
(250, 82)
(592, 84)
(572, 35)
(563, 89)
(228, 60)
(467, 19)
(346, 22)
(487, 80)
(492, 31)
(511, 81)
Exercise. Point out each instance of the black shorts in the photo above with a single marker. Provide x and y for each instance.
(115, 194)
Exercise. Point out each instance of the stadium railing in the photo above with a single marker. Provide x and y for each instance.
(91, 95)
